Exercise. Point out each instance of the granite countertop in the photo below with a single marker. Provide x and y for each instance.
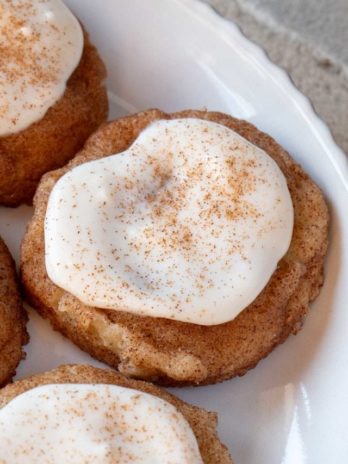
(309, 39)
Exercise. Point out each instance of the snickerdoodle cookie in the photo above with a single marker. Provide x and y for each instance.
(111, 417)
(52, 94)
(12, 318)
(184, 260)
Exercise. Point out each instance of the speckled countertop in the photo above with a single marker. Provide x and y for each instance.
(309, 39)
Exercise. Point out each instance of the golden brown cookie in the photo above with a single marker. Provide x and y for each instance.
(203, 423)
(54, 140)
(167, 351)
(12, 318)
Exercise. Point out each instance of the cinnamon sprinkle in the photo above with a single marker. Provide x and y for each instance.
(39, 42)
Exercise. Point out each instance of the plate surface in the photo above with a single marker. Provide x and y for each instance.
(175, 54)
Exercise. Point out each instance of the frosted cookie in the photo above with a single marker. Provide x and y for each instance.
(79, 413)
(52, 94)
(12, 318)
(183, 259)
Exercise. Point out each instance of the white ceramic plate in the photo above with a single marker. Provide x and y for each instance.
(175, 54)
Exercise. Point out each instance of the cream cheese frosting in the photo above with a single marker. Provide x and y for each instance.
(188, 224)
(72, 424)
(41, 44)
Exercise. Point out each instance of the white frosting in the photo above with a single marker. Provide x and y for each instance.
(189, 224)
(105, 424)
(41, 44)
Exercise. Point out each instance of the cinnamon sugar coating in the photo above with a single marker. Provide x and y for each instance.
(51, 142)
(202, 423)
(13, 319)
(177, 353)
